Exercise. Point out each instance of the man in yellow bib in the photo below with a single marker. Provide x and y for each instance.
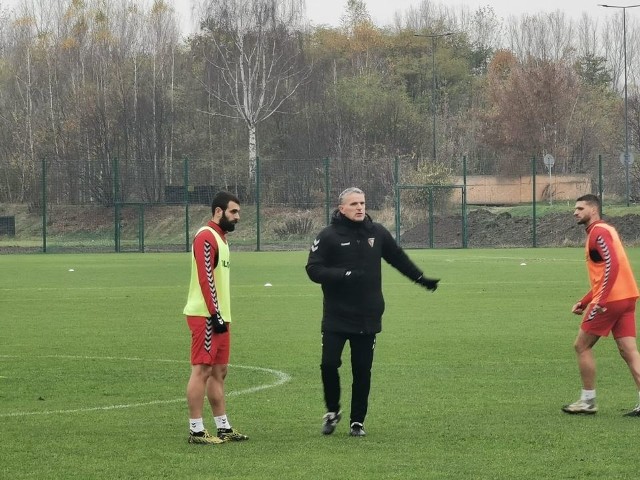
(208, 312)
(608, 307)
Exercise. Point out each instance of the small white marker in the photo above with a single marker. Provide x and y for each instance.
(71, 270)
(268, 285)
(523, 263)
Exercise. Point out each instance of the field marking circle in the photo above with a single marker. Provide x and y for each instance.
(281, 379)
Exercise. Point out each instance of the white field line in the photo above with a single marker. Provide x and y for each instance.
(280, 379)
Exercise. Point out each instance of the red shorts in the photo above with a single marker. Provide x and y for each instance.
(208, 348)
(620, 318)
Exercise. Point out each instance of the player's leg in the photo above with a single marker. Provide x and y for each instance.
(215, 389)
(362, 349)
(200, 366)
(624, 333)
(220, 351)
(583, 346)
(629, 352)
(196, 386)
(196, 389)
(332, 346)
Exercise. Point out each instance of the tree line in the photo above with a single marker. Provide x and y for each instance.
(97, 85)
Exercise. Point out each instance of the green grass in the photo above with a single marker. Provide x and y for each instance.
(467, 382)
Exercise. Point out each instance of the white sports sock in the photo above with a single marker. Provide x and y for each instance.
(196, 424)
(588, 394)
(222, 422)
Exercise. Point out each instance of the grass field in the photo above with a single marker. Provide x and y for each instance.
(467, 382)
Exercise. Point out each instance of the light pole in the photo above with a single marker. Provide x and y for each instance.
(433, 38)
(627, 157)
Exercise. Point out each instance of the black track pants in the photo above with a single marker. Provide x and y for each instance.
(362, 347)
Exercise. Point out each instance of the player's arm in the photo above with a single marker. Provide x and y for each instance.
(205, 251)
(397, 258)
(579, 307)
(319, 268)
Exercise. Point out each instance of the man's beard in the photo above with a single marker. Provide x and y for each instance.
(226, 225)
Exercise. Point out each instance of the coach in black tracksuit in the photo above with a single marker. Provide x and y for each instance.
(345, 259)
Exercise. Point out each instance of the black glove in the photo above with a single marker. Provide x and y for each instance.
(428, 283)
(218, 323)
(353, 275)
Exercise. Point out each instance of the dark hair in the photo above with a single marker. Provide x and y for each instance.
(590, 198)
(222, 199)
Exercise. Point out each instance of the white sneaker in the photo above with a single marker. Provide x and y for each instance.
(581, 406)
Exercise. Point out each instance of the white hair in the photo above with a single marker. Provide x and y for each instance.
(348, 191)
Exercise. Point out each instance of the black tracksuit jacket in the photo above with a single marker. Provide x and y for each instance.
(354, 305)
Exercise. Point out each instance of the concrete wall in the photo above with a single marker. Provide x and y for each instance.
(492, 190)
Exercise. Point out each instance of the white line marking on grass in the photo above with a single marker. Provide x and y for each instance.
(281, 379)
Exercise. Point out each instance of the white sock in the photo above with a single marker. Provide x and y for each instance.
(196, 424)
(222, 422)
(588, 394)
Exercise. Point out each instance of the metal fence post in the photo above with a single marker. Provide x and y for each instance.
(600, 184)
(464, 201)
(185, 174)
(431, 242)
(533, 178)
(257, 204)
(44, 204)
(141, 228)
(116, 205)
(327, 192)
(396, 188)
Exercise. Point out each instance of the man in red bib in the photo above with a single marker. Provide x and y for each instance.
(208, 313)
(609, 306)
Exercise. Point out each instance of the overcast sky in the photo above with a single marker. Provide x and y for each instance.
(382, 11)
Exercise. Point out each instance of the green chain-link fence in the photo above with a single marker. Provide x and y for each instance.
(125, 205)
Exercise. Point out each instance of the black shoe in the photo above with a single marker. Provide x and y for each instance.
(231, 435)
(357, 430)
(634, 413)
(204, 438)
(329, 422)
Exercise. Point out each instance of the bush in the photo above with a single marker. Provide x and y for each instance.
(429, 174)
(300, 225)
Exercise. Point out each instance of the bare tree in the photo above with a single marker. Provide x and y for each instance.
(545, 37)
(256, 54)
(255, 50)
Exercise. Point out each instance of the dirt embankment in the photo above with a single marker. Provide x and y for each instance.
(486, 229)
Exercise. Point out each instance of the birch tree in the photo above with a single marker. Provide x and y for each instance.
(254, 49)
